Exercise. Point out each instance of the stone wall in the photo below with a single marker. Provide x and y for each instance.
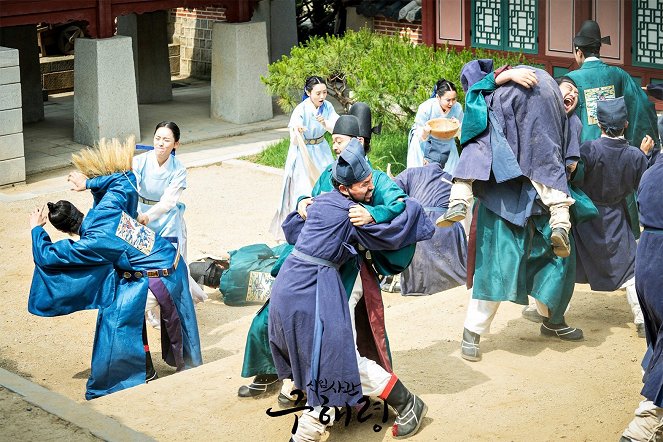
(12, 158)
(192, 30)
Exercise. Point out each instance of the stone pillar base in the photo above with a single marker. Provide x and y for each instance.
(24, 38)
(12, 159)
(239, 59)
(105, 102)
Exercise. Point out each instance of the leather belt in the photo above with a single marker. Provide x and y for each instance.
(146, 201)
(314, 140)
(154, 273)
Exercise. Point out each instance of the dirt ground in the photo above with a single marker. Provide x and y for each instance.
(44, 426)
(526, 388)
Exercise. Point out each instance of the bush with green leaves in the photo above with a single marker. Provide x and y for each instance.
(386, 148)
(390, 73)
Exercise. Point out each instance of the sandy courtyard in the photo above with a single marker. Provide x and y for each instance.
(526, 388)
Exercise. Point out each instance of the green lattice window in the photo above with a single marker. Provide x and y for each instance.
(507, 25)
(648, 33)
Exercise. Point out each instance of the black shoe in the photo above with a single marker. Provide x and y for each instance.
(410, 408)
(640, 329)
(469, 347)
(560, 242)
(532, 314)
(208, 272)
(562, 331)
(151, 376)
(455, 213)
(150, 372)
(261, 384)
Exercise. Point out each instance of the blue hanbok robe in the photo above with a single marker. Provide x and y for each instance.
(649, 277)
(440, 262)
(426, 111)
(606, 245)
(88, 274)
(310, 329)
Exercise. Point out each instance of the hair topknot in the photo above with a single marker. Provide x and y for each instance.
(65, 216)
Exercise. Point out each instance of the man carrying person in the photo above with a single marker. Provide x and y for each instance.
(524, 138)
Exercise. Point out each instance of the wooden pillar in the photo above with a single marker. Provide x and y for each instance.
(428, 22)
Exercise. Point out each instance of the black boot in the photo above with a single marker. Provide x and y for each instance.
(261, 384)
(150, 372)
(410, 408)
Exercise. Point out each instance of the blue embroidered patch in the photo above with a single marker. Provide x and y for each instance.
(135, 234)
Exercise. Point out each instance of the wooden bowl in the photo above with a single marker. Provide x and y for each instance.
(443, 128)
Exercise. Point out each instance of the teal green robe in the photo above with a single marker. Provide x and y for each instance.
(596, 79)
(518, 262)
(386, 205)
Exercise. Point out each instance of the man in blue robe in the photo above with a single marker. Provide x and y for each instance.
(310, 329)
(110, 268)
(387, 202)
(612, 171)
(439, 263)
(647, 425)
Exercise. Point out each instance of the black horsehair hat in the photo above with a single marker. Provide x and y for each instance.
(347, 125)
(362, 111)
(590, 34)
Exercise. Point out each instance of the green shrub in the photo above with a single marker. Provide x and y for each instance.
(388, 147)
(389, 73)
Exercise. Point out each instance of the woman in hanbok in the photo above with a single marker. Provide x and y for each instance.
(111, 268)
(161, 180)
(442, 104)
(309, 152)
